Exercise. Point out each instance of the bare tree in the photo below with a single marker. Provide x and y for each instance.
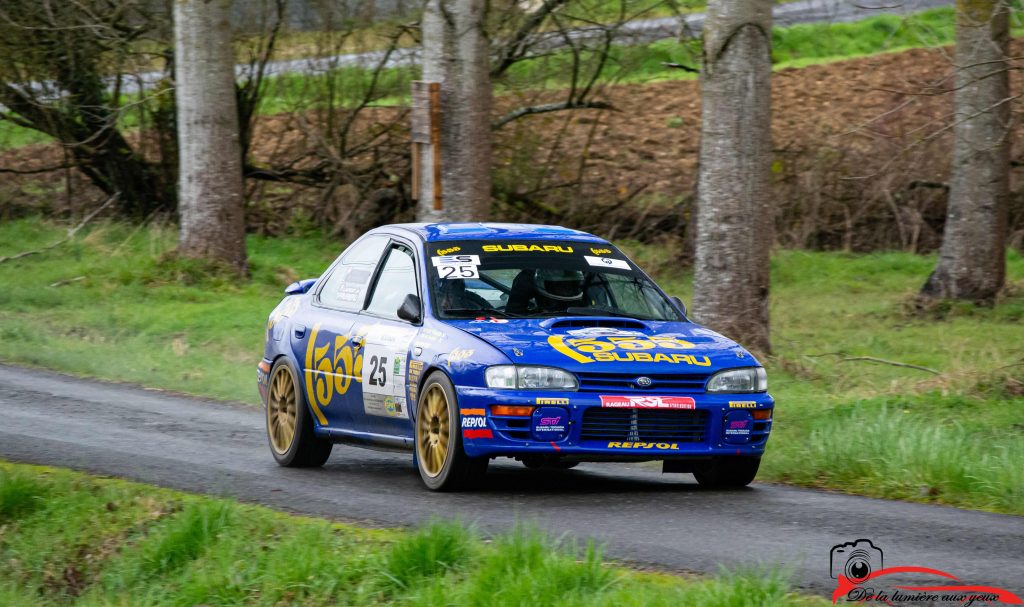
(210, 160)
(972, 259)
(734, 215)
(456, 54)
(66, 73)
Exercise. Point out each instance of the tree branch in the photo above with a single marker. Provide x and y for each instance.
(550, 107)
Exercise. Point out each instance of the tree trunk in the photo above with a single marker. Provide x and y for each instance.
(734, 209)
(972, 260)
(210, 197)
(456, 54)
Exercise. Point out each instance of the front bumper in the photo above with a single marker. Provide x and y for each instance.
(600, 427)
(263, 378)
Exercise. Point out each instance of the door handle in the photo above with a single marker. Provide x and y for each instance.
(358, 340)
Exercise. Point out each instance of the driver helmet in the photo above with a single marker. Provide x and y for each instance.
(560, 285)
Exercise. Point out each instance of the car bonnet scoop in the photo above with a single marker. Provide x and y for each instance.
(611, 323)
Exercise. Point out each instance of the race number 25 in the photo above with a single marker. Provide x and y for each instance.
(378, 370)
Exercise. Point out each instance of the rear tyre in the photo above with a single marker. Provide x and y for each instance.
(727, 472)
(440, 456)
(293, 442)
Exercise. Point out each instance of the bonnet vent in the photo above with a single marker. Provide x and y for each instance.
(614, 323)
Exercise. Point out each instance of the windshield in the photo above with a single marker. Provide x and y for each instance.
(533, 279)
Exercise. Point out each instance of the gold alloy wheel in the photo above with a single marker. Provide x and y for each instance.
(433, 431)
(281, 410)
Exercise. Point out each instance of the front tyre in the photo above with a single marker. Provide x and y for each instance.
(440, 456)
(727, 472)
(289, 423)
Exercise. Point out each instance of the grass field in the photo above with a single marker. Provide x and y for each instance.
(125, 544)
(115, 304)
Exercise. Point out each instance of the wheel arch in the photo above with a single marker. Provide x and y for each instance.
(427, 372)
(300, 381)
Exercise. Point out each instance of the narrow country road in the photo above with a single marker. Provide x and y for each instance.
(639, 514)
(639, 31)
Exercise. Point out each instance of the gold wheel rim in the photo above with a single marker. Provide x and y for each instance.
(281, 411)
(433, 431)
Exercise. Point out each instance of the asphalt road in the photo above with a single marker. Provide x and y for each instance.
(638, 31)
(640, 515)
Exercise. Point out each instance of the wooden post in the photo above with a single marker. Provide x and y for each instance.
(426, 130)
(435, 140)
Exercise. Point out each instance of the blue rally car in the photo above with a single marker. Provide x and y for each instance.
(466, 342)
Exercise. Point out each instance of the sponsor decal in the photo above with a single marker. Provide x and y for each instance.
(634, 445)
(860, 574)
(742, 404)
(597, 251)
(738, 427)
(525, 248)
(648, 402)
(454, 267)
(607, 262)
(459, 354)
(551, 423)
(413, 377)
(474, 422)
(474, 419)
(331, 366)
(489, 319)
(448, 251)
(607, 348)
(486, 433)
(552, 401)
(427, 337)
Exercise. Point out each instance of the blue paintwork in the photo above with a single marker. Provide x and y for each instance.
(510, 341)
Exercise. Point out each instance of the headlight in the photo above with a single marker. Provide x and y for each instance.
(523, 377)
(750, 379)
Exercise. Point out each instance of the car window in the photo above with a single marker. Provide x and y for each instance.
(346, 287)
(397, 280)
(537, 278)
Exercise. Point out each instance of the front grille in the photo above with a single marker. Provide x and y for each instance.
(644, 425)
(661, 383)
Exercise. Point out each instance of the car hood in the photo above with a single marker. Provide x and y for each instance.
(610, 345)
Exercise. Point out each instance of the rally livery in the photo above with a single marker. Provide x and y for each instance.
(466, 342)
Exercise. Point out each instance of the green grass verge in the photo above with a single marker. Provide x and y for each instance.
(69, 539)
(132, 312)
(874, 428)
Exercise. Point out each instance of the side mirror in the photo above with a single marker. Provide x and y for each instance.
(410, 309)
(300, 287)
(679, 304)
